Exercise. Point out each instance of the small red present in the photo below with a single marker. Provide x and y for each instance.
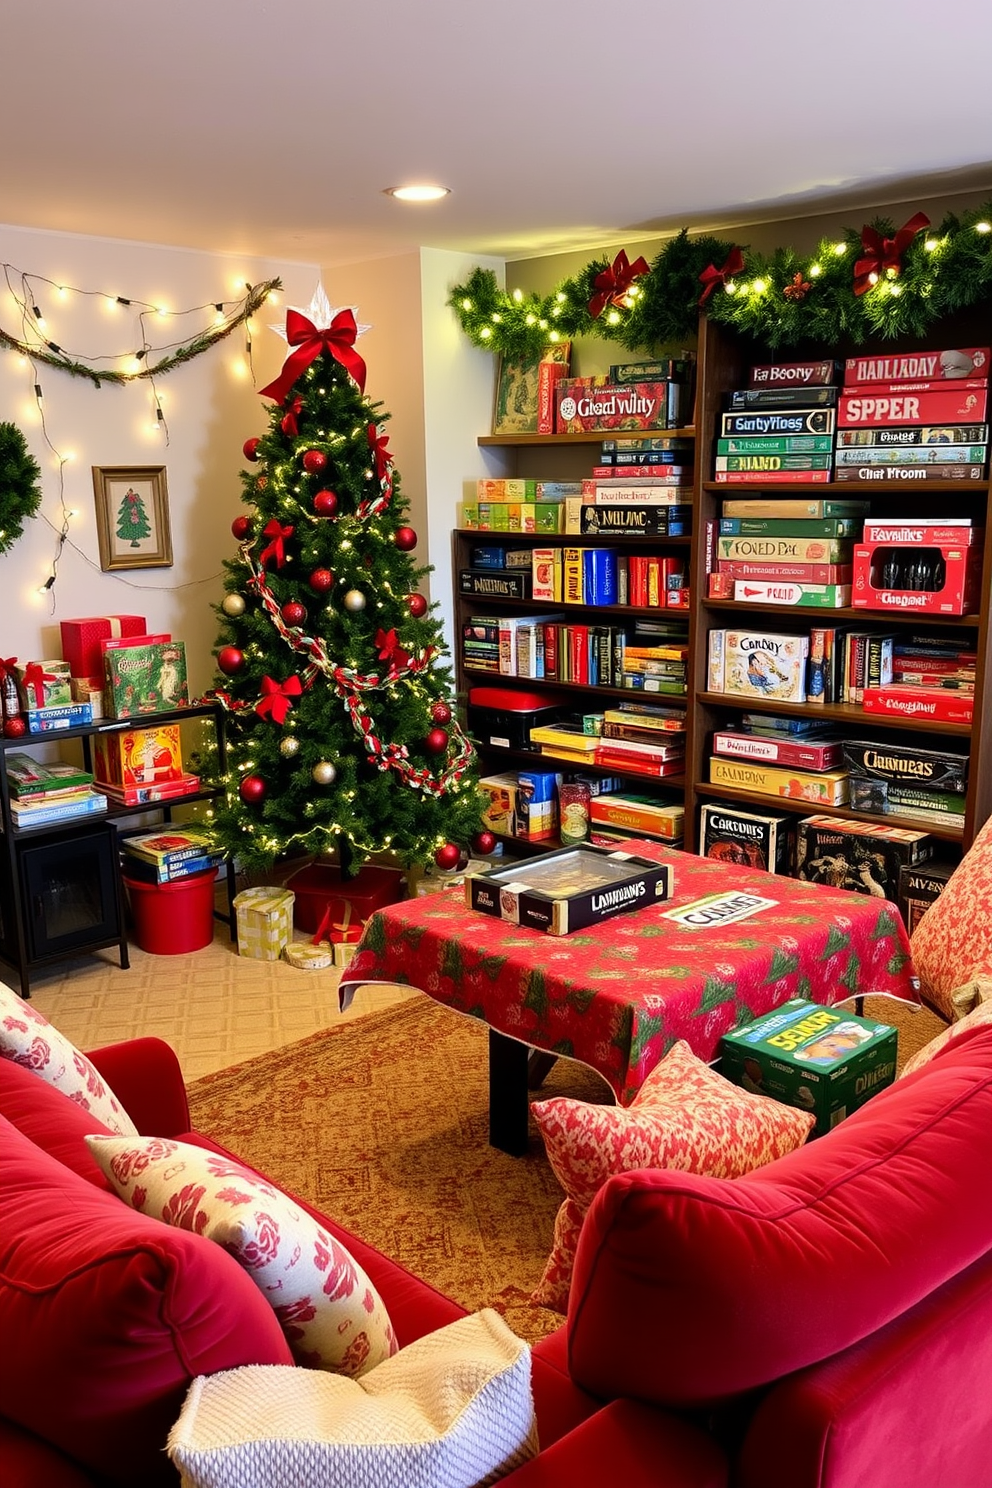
(323, 895)
(81, 640)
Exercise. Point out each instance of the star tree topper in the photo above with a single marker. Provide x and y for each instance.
(314, 330)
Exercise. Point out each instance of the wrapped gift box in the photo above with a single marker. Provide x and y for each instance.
(325, 899)
(81, 640)
(145, 756)
(265, 922)
(44, 684)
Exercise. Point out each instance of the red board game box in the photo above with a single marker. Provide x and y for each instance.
(904, 701)
(867, 407)
(914, 366)
(81, 640)
(580, 407)
(883, 577)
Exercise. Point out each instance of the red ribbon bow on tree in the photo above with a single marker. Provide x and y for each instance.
(383, 458)
(883, 256)
(35, 676)
(712, 276)
(390, 649)
(275, 549)
(276, 699)
(614, 282)
(288, 423)
(339, 339)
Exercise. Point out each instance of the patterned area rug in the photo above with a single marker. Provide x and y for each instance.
(383, 1124)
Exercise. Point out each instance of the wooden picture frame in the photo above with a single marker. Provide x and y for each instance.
(132, 516)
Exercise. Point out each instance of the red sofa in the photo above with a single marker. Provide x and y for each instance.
(825, 1322)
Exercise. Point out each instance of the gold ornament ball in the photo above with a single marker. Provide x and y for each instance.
(324, 773)
(354, 601)
(233, 605)
(289, 746)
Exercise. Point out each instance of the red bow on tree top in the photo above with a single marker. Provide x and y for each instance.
(712, 276)
(339, 339)
(883, 256)
(614, 282)
(383, 457)
(276, 699)
(276, 547)
(390, 649)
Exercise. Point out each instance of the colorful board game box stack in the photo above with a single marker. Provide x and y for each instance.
(772, 761)
(933, 676)
(512, 505)
(889, 778)
(780, 429)
(43, 794)
(169, 854)
(641, 740)
(915, 416)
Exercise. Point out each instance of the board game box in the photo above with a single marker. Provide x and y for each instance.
(907, 764)
(746, 838)
(919, 888)
(822, 788)
(146, 679)
(567, 890)
(759, 664)
(823, 1060)
(863, 856)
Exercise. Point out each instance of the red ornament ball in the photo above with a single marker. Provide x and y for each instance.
(321, 580)
(447, 857)
(325, 503)
(440, 713)
(250, 449)
(293, 612)
(230, 660)
(252, 789)
(241, 527)
(418, 606)
(405, 539)
(15, 728)
(436, 741)
(314, 461)
(484, 843)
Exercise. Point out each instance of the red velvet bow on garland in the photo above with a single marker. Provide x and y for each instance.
(390, 649)
(35, 676)
(339, 339)
(712, 276)
(276, 549)
(614, 282)
(883, 256)
(277, 697)
(288, 423)
(383, 458)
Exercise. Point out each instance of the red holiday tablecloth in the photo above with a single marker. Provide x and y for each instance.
(618, 995)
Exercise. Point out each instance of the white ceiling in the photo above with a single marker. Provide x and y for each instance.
(253, 126)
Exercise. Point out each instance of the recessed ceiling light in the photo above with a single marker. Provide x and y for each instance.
(418, 193)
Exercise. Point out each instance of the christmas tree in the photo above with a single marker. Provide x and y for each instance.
(132, 519)
(341, 729)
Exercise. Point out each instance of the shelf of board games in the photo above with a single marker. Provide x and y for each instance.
(576, 697)
(15, 937)
(723, 363)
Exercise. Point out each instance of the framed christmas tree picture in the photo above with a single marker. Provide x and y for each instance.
(132, 516)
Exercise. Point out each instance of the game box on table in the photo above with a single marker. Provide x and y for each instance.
(822, 1060)
(570, 889)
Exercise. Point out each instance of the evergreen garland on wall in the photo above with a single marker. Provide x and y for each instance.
(876, 282)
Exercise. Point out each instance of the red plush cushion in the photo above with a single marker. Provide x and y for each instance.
(53, 1122)
(722, 1286)
(106, 1316)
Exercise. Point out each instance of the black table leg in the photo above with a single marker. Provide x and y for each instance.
(508, 1077)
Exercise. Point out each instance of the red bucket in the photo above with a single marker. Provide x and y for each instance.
(173, 918)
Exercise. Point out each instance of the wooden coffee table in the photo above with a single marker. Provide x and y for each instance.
(617, 996)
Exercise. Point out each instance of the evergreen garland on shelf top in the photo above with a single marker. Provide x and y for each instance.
(876, 282)
(20, 484)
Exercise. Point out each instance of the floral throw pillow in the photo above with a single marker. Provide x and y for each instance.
(331, 1314)
(27, 1038)
(952, 943)
(685, 1116)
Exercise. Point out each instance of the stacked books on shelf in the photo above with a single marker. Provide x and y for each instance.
(780, 429)
(635, 738)
(169, 853)
(789, 551)
(44, 794)
(513, 505)
(914, 416)
(649, 655)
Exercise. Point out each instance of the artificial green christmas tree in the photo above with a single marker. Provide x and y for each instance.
(342, 735)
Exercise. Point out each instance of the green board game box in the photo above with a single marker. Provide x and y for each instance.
(146, 679)
(823, 1060)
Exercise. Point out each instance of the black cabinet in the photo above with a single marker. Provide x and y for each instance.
(71, 895)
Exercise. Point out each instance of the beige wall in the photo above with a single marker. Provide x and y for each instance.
(211, 407)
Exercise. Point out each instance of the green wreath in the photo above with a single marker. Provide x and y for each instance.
(20, 488)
